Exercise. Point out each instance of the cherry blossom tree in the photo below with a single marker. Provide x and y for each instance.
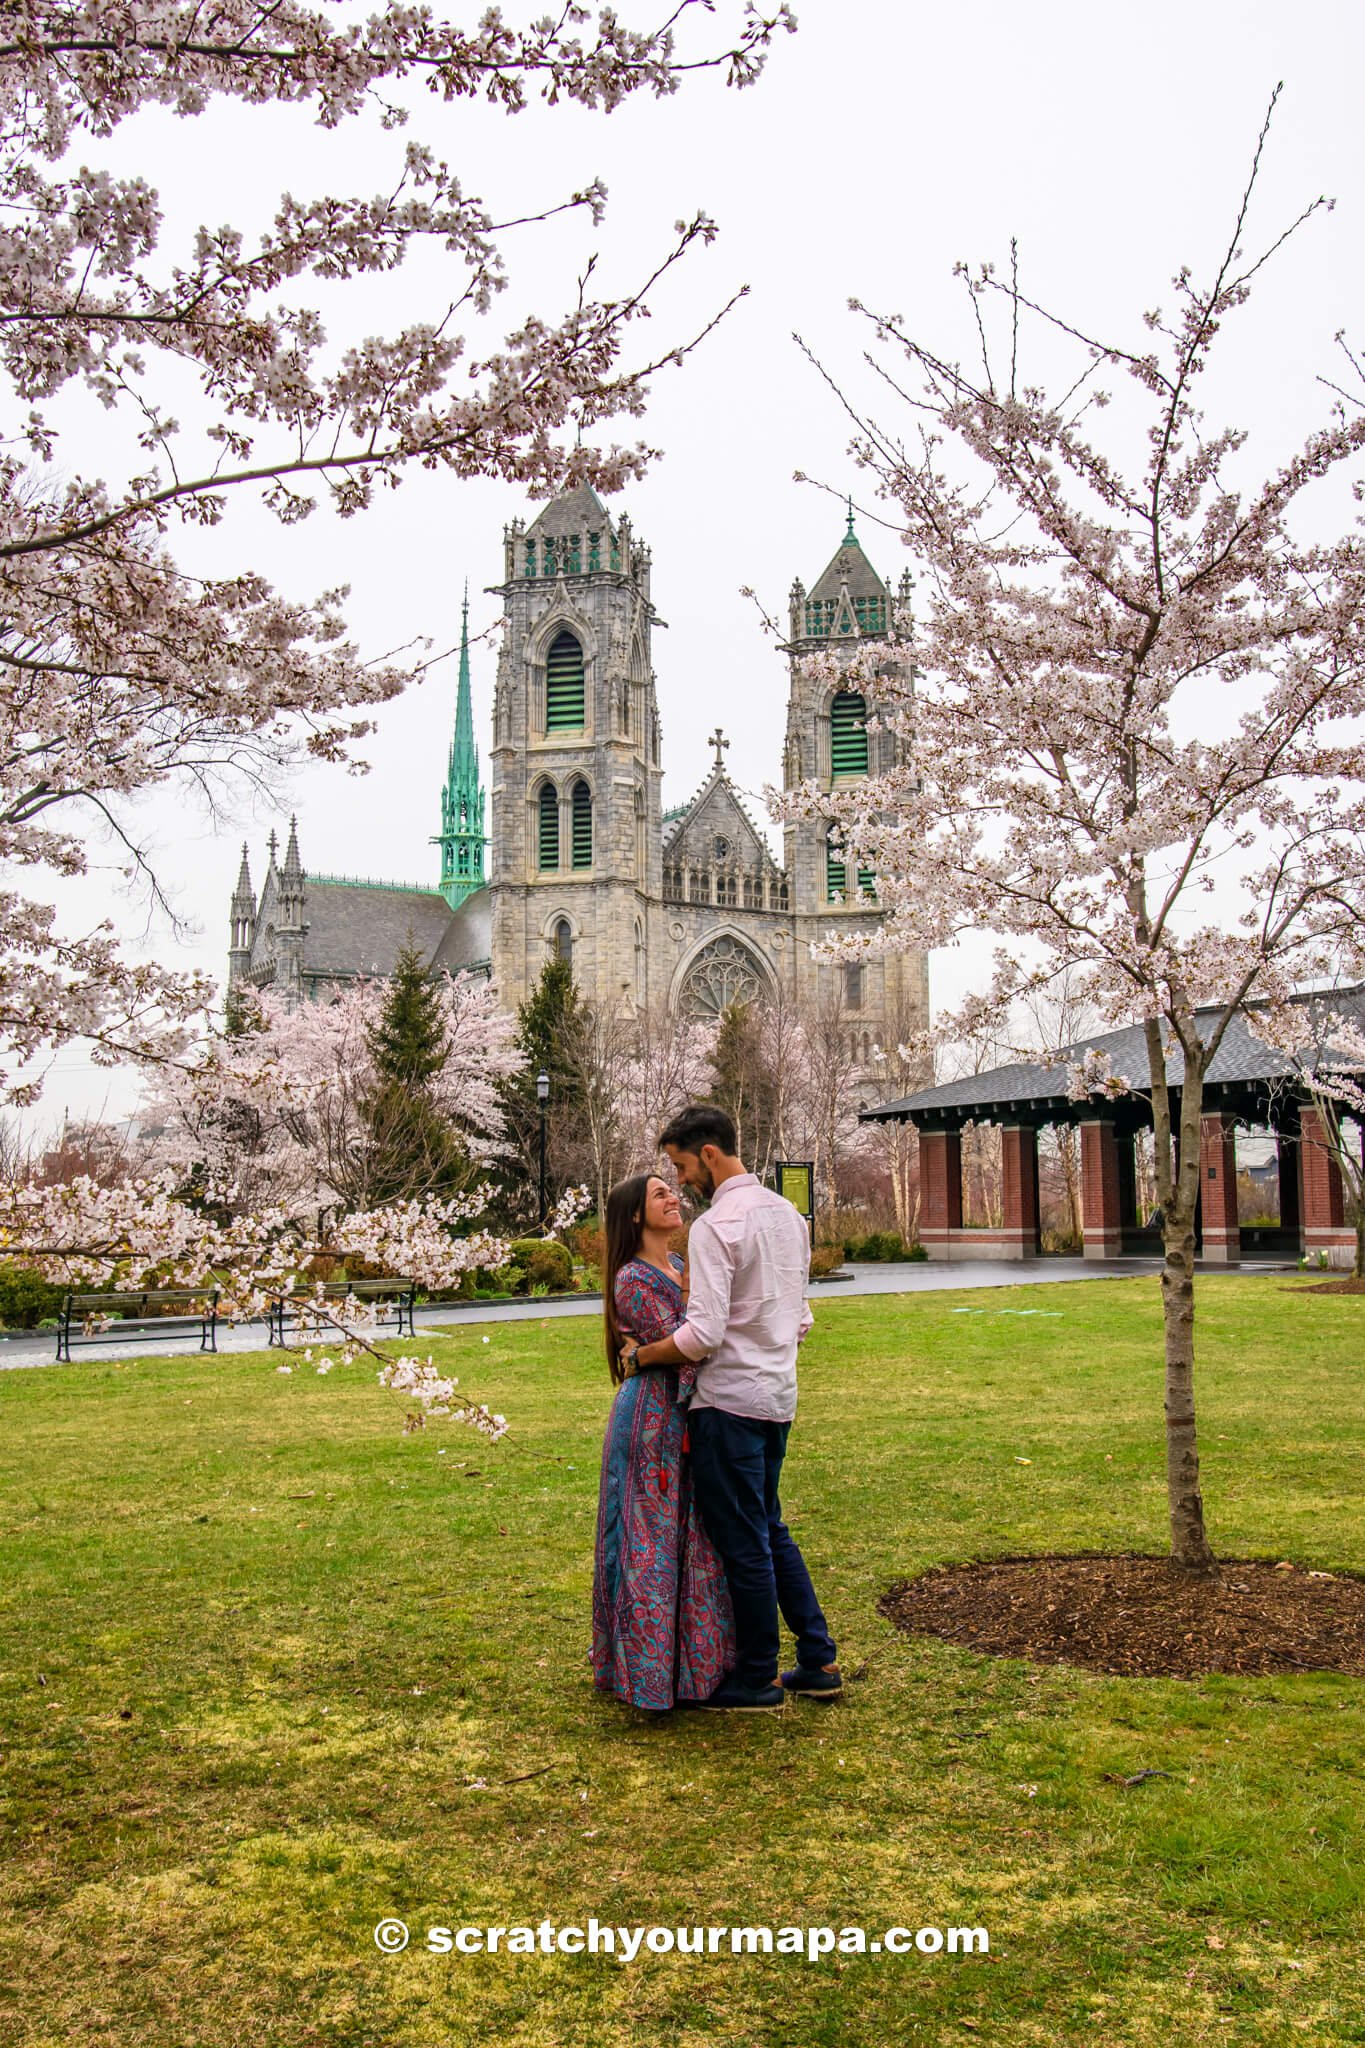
(126, 667)
(1133, 747)
(282, 1112)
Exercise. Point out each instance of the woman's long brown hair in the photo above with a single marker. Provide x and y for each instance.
(625, 1227)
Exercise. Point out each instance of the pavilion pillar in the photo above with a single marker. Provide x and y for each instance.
(1289, 1157)
(1019, 1177)
(1324, 1206)
(1101, 1189)
(1125, 1154)
(940, 1191)
(1221, 1231)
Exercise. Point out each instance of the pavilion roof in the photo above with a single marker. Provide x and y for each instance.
(1244, 1073)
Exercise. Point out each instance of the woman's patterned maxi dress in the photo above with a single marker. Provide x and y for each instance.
(662, 1626)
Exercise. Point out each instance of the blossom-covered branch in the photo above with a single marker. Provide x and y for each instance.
(126, 670)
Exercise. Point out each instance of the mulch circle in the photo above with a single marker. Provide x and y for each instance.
(1132, 1616)
(1329, 1287)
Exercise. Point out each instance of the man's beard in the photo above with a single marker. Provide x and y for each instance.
(706, 1185)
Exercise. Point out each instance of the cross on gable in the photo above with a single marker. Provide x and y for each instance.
(720, 743)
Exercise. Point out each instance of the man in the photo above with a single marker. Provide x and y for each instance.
(749, 1264)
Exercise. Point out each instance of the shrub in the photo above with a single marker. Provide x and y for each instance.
(587, 1240)
(544, 1262)
(25, 1297)
(879, 1246)
(826, 1258)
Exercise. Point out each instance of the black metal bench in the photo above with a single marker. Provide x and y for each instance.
(396, 1300)
(148, 1314)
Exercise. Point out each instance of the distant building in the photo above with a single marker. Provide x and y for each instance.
(690, 908)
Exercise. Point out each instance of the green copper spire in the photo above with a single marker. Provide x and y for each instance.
(850, 538)
(461, 837)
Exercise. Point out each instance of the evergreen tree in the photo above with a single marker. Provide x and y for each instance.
(413, 1149)
(548, 1026)
(408, 1040)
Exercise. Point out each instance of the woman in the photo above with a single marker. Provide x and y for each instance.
(662, 1627)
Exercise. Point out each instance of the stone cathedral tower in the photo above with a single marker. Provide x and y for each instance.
(828, 742)
(575, 852)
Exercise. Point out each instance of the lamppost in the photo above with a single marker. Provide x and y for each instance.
(542, 1097)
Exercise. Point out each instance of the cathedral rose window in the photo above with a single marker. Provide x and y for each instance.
(724, 972)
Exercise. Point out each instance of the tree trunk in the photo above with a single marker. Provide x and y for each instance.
(1178, 1191)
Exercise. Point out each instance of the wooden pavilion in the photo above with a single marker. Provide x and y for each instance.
(1249, 1085)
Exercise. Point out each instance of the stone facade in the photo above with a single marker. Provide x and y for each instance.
(689, 910)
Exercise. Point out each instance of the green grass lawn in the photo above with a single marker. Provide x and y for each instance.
(269, 1667)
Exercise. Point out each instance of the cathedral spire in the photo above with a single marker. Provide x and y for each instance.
(461, 838)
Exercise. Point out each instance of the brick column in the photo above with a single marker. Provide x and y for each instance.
(1101, 1190)
(940, 1190)
(1288, 1156)
(1324, 1206)
(1019, 1161)
(1221, 1233)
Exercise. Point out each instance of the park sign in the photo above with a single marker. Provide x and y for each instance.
(797, 1183)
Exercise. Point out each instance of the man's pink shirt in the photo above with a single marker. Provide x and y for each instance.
(749, 1263)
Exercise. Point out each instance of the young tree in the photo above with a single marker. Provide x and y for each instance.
(126, 669)
(669, 1065)
(1140, 685)
(743, 1083)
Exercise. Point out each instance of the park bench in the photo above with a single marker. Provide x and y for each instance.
(394, 1298)
(154, 1313)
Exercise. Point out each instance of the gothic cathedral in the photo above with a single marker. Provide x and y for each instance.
(687, 907)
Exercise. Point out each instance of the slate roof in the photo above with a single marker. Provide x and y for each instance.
(576, 512)
(1240, 1059)
(358, 929)
(851, 566)
(468, 940)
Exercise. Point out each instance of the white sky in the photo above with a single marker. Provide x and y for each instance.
(885, 142)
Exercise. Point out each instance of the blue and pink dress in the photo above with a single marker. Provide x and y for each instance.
(662, 1626)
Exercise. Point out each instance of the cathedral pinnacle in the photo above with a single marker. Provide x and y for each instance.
(850, 537)
(461, 838)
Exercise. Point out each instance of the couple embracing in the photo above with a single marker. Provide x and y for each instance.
(693, 1560)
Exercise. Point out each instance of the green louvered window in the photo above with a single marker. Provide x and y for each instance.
(867, 882)
(582, 825)
(847, 736)
(548, 836)
(834, 872)
(564, 686)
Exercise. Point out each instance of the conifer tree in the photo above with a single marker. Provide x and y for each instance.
(548, 1025)
(414, 1149)
(408, 1040)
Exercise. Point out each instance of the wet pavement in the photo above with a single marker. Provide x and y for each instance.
(912, 1277)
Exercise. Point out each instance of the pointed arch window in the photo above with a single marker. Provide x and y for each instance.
(848, 736)
(564, 685)
(582, 825)
(547, 834)
(564, 942)
(834, 870)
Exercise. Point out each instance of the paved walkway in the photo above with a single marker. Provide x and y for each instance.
(918, 1277)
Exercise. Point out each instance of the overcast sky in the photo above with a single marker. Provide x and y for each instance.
(884, 143)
